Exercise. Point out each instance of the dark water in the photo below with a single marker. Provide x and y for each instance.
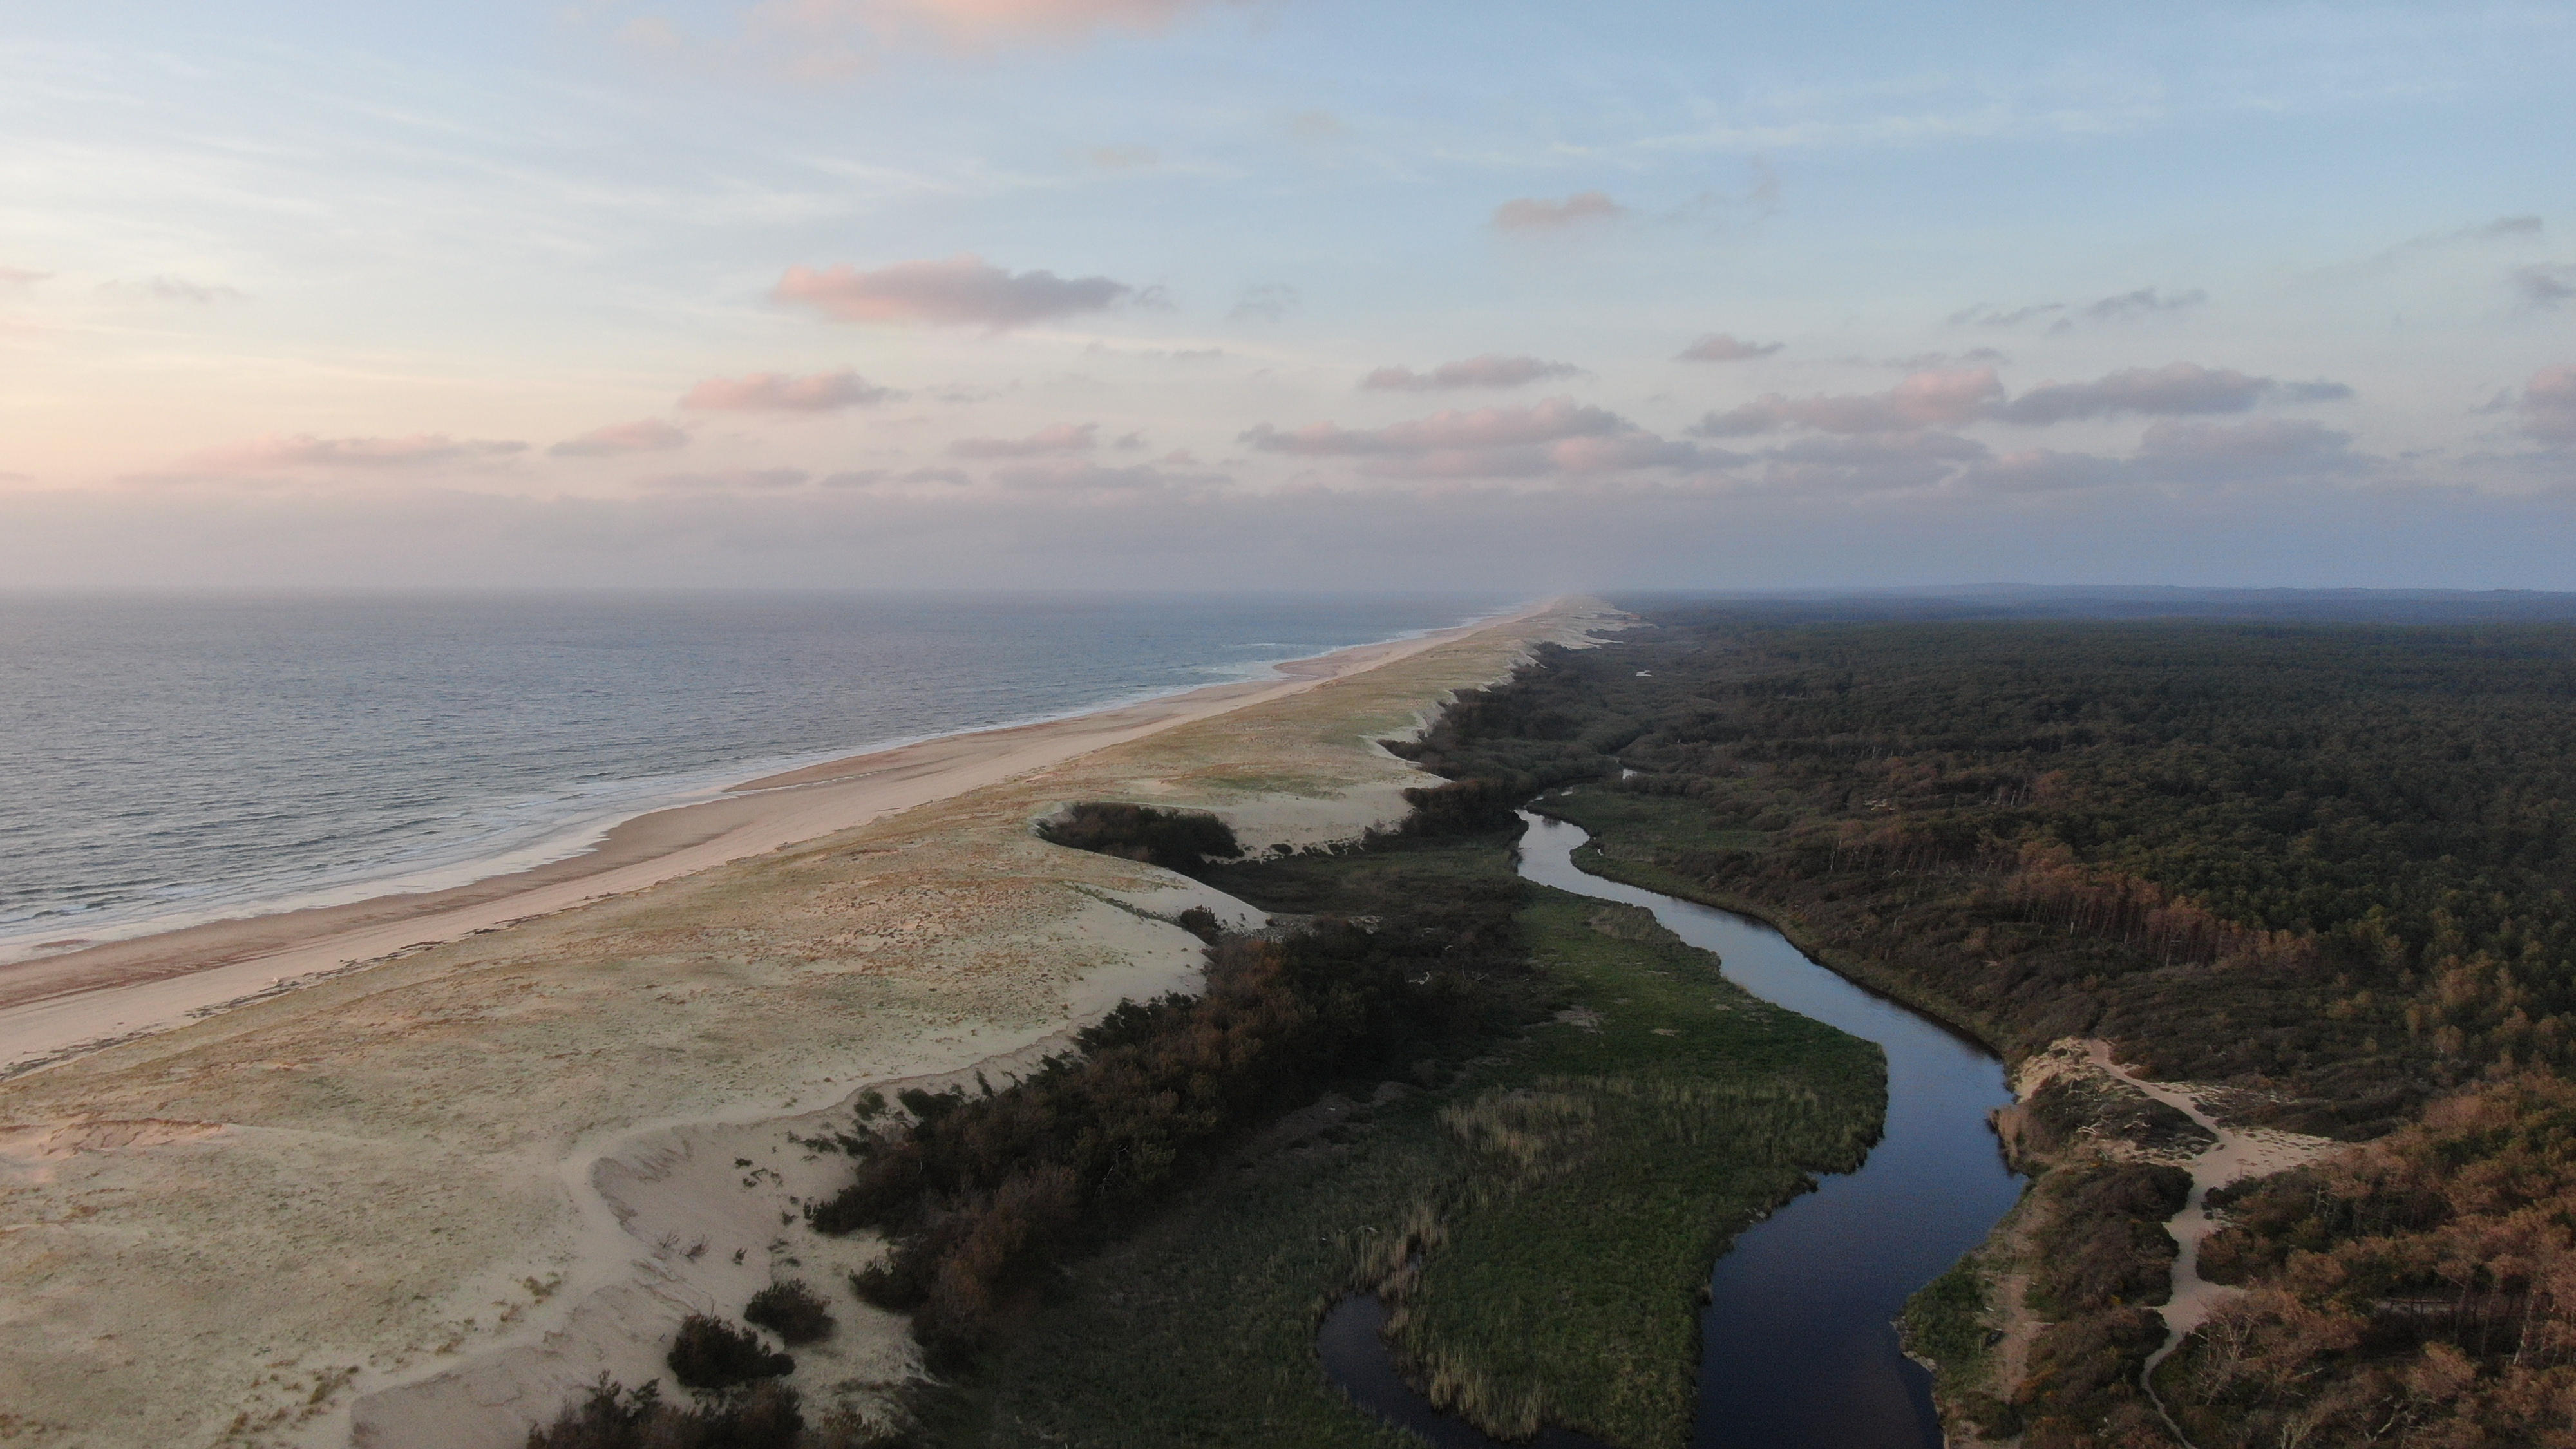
(1799, 1350)
(175, 757)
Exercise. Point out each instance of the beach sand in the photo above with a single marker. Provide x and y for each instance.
(420, 1201)
(58, 1007)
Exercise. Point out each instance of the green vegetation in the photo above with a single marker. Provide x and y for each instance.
(2327, 865)
(983, 1194)
(1565, 1191)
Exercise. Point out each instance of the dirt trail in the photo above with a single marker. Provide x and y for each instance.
(2239, 1152)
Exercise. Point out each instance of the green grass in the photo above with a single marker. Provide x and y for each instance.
(1571, 1188)
(1616, 1163)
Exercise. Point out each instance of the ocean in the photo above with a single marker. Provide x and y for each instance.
(167, 759)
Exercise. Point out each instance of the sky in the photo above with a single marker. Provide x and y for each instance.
(1286, 293)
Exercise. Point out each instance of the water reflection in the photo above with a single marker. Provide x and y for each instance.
(1799, 1348)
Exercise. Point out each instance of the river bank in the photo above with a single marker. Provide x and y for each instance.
(507, 1146)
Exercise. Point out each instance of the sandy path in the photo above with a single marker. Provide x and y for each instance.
(55, 1009)
(2240, 1152)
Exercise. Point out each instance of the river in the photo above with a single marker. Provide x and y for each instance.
(1798, 1345)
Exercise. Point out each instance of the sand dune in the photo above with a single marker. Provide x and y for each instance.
(420, 1201)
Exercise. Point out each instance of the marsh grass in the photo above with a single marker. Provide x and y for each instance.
(1541, 1226)
(1608, 1170)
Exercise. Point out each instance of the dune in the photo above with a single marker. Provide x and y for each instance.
(489, 1147)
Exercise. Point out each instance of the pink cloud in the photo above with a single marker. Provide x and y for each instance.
(2549, 405)
(1048, 441)
(647, 435)
(960, 291)
(1529, 213)
(776, 392)
(976, 22)
(20, 277)
(303, 450)
(1726, 347)
(1490, 370)
(1941, 398)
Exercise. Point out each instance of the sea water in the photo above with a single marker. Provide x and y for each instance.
(173, 758)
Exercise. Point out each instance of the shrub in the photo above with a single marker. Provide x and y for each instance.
(1181, 840)
(791, 1310)
(710, 1354)
(614, 1417)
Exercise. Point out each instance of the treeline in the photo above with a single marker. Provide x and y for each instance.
(978, 1193)
(2329, 862)
(2329, 865)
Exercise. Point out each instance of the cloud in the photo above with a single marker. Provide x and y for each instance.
(1943, 361)
(1268, 301)
(2144, 302)
(1315, 126)
(1529, 213)
(2543, 286)
(1726, 347)
(2174, 389)
(2548, 405)
(1061, 438)
(1074, 475)
(1987, 314)
(1490, 370)
(756, 480)
(1879, 463)
(17, 277)
(887, 477)
(1556, 437)
(960, 291)
(1941, 398)
(996, 21)
(303, 450)
(180, 289)
(1123, 158)
(2266, 447)
(776, 392)
(646, 435)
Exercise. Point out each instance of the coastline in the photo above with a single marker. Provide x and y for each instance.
(506, 1165)
(56, 1008)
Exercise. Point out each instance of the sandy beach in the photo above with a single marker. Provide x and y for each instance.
(422, 1200)
(55, 1008)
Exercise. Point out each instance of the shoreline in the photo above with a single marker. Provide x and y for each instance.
(57, 1008)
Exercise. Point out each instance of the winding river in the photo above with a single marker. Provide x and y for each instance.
(1798, 1344)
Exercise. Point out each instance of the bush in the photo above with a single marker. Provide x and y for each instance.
(791, 1310)
(614, 1417)
(1181, 840)
(710, 1354)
